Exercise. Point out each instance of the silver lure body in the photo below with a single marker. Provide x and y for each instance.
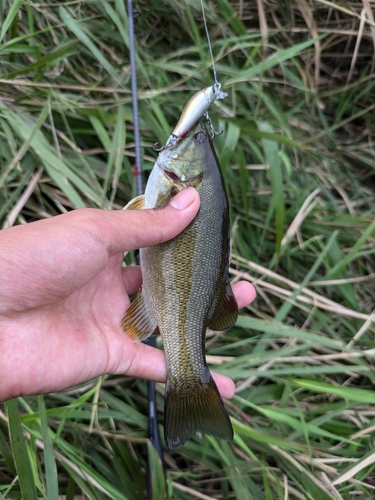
(193, 111)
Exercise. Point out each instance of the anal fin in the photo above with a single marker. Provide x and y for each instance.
(137, 322)
(227, 313)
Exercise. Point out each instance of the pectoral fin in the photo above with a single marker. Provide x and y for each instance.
(227, 313)
(137, 203)
(137, 322)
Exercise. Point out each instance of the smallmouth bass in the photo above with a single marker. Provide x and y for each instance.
(186, 287)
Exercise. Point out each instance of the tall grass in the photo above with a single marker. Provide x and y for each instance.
(298, 157)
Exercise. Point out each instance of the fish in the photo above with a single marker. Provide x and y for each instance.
(194, 109)
(186, 288)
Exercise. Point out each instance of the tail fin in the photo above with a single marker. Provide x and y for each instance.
(192, 408)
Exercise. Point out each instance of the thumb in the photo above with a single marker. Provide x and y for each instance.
(132, 229)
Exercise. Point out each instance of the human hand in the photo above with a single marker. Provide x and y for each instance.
(63, 292)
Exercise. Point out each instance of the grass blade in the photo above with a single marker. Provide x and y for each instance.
(13, 11)
(75, 27)
(49, 458)
(156, 472)
(276, 58)
(20, 452)
(277, 204)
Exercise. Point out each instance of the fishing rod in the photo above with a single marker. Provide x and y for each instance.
(153, 431)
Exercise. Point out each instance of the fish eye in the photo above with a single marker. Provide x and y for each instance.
(199, 138)
(213, 89)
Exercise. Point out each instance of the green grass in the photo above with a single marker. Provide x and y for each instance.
(298, 157)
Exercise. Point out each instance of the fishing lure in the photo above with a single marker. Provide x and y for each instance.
(196, 107)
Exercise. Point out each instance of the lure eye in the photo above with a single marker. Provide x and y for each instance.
(199, 138)
(214, 89)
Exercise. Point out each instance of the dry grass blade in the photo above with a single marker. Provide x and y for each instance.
(191, 492)
(346, 11)
(263, 27)
(303, 212)
(306, 296)
(370, 15)
(310, 22)
(357, 44)
(12, 216)
(366, 462)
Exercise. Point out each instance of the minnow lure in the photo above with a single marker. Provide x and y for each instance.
(196, 107)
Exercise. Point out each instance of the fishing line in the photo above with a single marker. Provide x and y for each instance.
(209, 46)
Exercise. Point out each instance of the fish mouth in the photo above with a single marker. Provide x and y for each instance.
(192, 181)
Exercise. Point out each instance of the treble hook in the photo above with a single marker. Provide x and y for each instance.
(213, 131)
(171, 142)
(156, 148)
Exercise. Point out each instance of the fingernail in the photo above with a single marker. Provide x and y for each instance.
(184, 198)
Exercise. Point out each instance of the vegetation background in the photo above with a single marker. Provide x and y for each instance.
(298, 157)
